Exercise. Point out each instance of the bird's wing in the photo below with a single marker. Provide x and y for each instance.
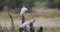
(22, 11)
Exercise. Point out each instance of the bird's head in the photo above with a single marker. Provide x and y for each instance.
(23, 10)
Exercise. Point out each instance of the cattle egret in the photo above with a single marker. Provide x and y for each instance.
(23, 10)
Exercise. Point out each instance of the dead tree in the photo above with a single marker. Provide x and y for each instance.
(1, 29)
(40, 29)
(23, 19)
(32, 27)
(11, 20)
(23, 28)
(20, 29)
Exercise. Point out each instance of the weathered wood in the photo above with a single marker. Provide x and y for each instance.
(11, 21)
(32, 27)
(40, 29)
(1, 29)
(20, 29)
(23, 19)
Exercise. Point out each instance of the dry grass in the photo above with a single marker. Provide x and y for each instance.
(31, 16)
(52, 30)
(34, 15)
(44, 30)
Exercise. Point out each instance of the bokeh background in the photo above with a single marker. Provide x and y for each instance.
(46, 12)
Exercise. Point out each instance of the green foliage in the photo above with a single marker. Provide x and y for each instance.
(4, 2)
(53, 3)
(57, 3)
(16, 3)
(48, 3)
(40, 4)
(20, 3)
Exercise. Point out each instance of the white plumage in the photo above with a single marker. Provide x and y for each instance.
(25, 24)
(23, 10)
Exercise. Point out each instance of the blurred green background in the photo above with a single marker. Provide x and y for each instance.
(17, 4)
(42, 6)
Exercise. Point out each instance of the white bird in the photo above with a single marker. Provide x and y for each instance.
(23, 10)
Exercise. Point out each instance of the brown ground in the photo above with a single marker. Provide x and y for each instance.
(45, 22)
(55, 22)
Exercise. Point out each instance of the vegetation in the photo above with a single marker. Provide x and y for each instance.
(57, 3)
(17, 4)
(45, 30)
(49, 3)
(31, 16)
(12, 4)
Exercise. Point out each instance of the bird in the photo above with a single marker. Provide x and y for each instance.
(23, 10)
